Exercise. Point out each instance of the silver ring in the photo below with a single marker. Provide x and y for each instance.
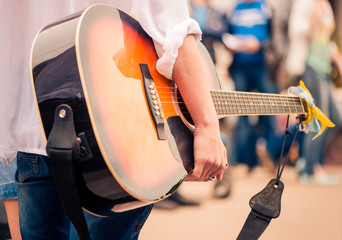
(211, 178)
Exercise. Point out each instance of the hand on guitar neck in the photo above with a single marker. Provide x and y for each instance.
(193, 78)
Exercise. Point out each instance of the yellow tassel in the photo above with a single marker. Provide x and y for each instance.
(315, 111)
(325, 121)
(301, 83)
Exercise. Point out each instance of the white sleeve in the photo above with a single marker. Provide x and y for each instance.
(168, 23)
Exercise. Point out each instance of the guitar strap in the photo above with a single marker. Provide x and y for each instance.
(265, 206)
(267, 203)
(63, 150)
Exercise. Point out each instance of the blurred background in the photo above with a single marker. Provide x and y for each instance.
(267, 46)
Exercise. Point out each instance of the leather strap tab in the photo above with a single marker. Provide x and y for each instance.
(265, 206)
(64, 151)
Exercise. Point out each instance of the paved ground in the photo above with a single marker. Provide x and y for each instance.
(308, 212)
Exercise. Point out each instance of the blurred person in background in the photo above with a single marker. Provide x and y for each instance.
(310, 57)
(276, 53)
(277, 49)
(247, 37)
(212, 23)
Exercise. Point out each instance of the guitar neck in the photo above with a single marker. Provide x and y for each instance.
(233, 103)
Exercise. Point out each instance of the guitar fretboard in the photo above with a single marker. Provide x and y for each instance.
(230, 103)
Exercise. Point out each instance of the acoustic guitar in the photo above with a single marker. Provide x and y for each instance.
(102, 63)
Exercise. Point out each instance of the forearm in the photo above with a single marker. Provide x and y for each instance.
(193, 78)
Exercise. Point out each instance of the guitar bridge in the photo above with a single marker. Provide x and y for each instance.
(153, 101)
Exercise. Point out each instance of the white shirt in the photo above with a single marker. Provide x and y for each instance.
(167, 22)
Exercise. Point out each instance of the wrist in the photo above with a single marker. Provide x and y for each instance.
(207, 123)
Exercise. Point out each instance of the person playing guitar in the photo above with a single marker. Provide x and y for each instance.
(175, 37)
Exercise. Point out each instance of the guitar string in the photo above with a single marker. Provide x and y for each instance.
(254, 105)
(236, 93)
(236, 110)
(237, 105)
(280, 100)
(258, 95)
(257, 103)
(276, 97)
(255, 108)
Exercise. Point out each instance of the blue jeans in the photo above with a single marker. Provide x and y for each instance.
(319, 86)
(41, 213)
(8, 189)
(248, 79)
